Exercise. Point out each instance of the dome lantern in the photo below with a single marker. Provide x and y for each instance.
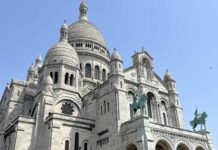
(83, 11)
(64, 32)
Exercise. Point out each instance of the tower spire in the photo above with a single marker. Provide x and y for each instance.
(64, 32)
(83, 11)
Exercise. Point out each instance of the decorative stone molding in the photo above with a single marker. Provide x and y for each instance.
(103, 141)
(176, 137)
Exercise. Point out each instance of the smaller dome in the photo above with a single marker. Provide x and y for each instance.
(167, 76)
(48, 80)
(62, 52)
(116, 55)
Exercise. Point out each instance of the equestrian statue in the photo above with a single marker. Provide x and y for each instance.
(138, 105)
(199, 119)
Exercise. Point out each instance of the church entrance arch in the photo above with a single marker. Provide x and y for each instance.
(199, 148)
(162, 145)
(131, 147)
(182, 147)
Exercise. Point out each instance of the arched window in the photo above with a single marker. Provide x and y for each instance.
(104, 107)
(56, 78)
(131, 147)
(164, 119)
(130, 96)
(88, 71)
(146, 68)
(97, 73)
(76, 145)
(71, 79)
(67, 145)
(81, 67)
(164, 107)
(149, 103)
(104, 75)
(85, 146)
(18, 93)
(149, 108)
(121, 84)
(108, 106)
(51, 74)
(66, 78)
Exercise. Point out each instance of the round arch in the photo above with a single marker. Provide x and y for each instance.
(88, 70)
(182, 146)
(163, 144)
(153, 92)
(72, 100)
(131, 88)
(165, 101)
(67, 106)
(147, 59)
(86, 144)
(131, 147)
(199, 147)
(151, 103)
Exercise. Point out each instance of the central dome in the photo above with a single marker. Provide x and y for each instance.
(84, 30)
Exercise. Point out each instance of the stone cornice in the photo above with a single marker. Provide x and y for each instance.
(131, 82)
(178, 135)
(74, 119)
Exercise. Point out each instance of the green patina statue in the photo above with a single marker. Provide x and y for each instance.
(138, 104)
(199, 119)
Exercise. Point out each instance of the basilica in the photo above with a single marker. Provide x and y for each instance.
(80, 97)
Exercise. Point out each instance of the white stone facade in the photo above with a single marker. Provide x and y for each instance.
(80, 98)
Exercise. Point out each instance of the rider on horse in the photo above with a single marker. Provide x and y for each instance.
(199, 119)
(197, 115)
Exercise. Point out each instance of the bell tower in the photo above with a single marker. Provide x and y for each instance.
(176, 109)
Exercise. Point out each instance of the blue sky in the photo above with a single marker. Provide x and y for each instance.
(181, 35)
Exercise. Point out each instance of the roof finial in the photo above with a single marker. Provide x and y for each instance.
(64, 32)
(143, 49)
(83, 11)
(39, 58)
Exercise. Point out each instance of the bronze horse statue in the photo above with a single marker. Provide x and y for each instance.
(138, 104)
(199, 119)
